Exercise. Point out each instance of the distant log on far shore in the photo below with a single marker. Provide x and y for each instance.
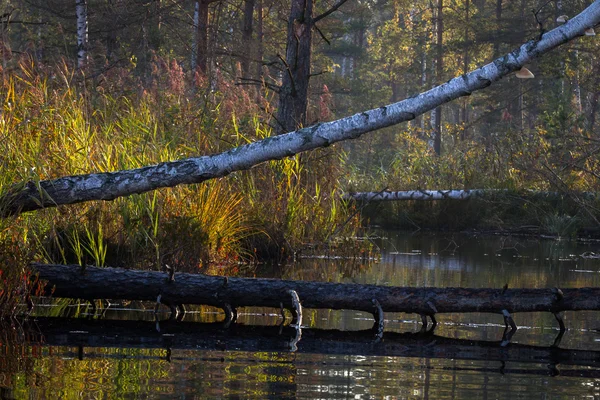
(449, 194)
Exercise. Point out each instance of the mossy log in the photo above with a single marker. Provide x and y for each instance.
(73, 281)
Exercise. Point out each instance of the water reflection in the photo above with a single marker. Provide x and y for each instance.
(464, 359)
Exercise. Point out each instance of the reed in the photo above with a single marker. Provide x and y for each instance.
(55, 122)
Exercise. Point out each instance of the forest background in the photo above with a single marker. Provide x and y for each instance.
(97, 86)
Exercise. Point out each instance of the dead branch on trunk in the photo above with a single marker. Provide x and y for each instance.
(71, 281)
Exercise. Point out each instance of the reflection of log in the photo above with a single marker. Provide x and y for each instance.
(72, 281)
(212, 336)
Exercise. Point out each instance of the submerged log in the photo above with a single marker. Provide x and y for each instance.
(73, 281)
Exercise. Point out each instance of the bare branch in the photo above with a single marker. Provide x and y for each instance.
(330, 11)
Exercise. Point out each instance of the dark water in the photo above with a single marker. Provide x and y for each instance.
(465, 357)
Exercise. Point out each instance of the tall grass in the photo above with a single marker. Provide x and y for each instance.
(55, 122)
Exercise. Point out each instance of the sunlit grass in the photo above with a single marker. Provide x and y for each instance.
(55, 122)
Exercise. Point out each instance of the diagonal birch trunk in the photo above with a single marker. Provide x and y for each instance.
(30, 196)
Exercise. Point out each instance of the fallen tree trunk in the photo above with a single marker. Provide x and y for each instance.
(73, 281)
(213, 336)
(459, 194)
(35, 195)
(416, 195)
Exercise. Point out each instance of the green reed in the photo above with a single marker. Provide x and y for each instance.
(56, 122)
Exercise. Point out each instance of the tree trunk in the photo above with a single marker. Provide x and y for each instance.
(259, 47)
(82, 33)
(418, 195)
(451, 195)
(498, 27)
(34, 195)
(439, 65)
(576, 85)
(466, 62)
(293, 94)
(594, 103)
(247, 42)
(73, 281)
(200, 48)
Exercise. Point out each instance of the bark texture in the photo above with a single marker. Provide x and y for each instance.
(247, 42)
(201, 13)
(110, 185)
(460, 194)
(293, 94)
(72, 281)
(417, 195)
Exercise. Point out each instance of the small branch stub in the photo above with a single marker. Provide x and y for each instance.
(174, 312)
(296, 308)
(424, 322)
(181, 313)
(433, 322)
(379, 323)
(171, 271)
(230, 314)
(559, 294)
(561, 322)
(508, 320)
(157, 304)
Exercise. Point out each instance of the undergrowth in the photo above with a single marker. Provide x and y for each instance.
(543, 180)
(55, 122)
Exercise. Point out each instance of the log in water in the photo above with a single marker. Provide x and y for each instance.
(73, 281)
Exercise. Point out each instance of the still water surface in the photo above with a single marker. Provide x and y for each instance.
(116, 358)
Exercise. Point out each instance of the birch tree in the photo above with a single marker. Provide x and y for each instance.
(82, 32)
(33, 195)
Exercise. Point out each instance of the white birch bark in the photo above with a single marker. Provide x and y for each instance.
(454, 194)
(417, 195)
(82, 32)
(195, 41)
(110, 185)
